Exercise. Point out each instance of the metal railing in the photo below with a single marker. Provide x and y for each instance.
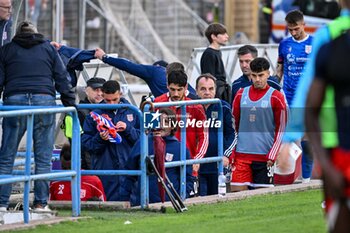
(74, 173)
(182, 164)
(144, 195)
(231, 61)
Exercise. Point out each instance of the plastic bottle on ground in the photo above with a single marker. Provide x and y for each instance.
(222, 185)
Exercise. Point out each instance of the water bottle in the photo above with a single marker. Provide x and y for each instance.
(222, 185)
(228, 174)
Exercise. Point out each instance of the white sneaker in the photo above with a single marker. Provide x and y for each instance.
(3, 209)
(40, 208)
(305, 180)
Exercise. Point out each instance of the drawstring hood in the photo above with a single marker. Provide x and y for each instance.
(28, 40)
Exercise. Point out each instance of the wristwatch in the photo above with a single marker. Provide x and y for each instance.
(105, 56)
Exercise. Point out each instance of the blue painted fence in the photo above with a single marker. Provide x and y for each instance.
(75, 173)
(27, 177)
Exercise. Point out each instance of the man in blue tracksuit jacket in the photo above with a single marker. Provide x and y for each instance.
(208, 172)
(154, 75)
(73, 59)
(130, 189)
(106, 155)
(246, 54)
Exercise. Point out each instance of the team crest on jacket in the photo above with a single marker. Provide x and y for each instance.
(4, 35)
(214, 115)
(308, 49)
(169, 157)
(130, 117)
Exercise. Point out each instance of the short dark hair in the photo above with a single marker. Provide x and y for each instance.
(171, 116)
(214, 29)
(65, 156)
(177, 77)
(110, 87)
(294, 16)
(246, 49)
(206, 76)
(174, 66)
(259, 64)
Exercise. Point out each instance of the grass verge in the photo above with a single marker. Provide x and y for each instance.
(290, 212)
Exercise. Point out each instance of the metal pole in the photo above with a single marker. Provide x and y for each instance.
(82, 19)
(75, 165)
(220, 140)
(58, 18)
(30, 120)
(144, 192)
(176, 27)
(183, 154)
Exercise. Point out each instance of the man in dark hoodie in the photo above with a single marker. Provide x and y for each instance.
(30, 73)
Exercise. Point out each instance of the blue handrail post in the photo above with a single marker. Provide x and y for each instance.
(75, 165)
(220, 140)
(183, 154)
(30, 123)
(144, 199)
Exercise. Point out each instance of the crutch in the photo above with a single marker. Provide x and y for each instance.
(177, 206)
(177, 196)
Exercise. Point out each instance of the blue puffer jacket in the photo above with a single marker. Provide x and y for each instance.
(229, 135)
(130, 187)
(109, 156)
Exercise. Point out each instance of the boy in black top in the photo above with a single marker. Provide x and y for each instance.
(211, 61)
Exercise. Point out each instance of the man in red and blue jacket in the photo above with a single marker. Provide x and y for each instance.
(196, 137)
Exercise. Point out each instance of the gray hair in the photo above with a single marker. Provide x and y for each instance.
(26, 27)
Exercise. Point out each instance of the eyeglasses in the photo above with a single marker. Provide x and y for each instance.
(8, 8)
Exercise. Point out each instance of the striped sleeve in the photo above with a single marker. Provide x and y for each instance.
(230, 136)
(201, 134)
(279, 107)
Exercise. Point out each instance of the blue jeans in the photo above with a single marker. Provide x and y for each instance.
(43, 140)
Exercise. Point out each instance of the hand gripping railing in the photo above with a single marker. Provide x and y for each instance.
(144, 198)
(182, 164)
(74, 173)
